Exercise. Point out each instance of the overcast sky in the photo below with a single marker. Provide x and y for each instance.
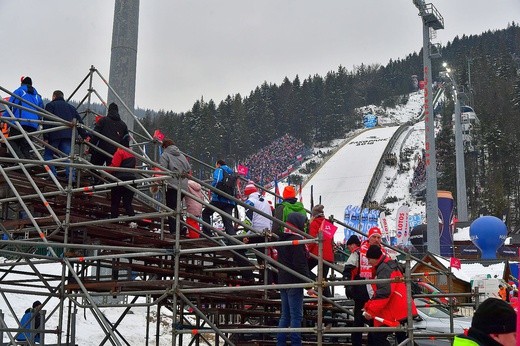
(193, 48)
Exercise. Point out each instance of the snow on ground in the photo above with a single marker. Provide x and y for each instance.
(468, 271)
(88, 330)
(342, 180)
(397, 184)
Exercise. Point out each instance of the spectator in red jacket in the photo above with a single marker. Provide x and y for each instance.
(318, 217)
(358, 293)
(124, 159)
(389, 304)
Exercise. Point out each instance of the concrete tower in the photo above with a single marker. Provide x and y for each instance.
(123, 59)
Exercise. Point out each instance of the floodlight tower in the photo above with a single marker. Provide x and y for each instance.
(123, 60)
(462, 207)
(431, 20)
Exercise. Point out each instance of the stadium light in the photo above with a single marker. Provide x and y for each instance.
(431, 20)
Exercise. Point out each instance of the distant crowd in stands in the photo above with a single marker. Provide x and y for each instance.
(270, 162)
(419, 174)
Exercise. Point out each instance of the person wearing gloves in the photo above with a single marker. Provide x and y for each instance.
(493, 324)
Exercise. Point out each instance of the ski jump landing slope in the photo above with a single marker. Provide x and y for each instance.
(345, 177)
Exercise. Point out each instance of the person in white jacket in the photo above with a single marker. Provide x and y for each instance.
(257, 221)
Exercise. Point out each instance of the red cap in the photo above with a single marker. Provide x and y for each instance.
(250, 188)
(374, 230)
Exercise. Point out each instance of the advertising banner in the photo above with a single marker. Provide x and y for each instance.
(401, 225)
(446, 204)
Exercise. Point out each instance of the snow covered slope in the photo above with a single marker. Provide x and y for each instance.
(345, 177)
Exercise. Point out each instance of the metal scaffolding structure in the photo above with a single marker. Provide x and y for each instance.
(106, 262)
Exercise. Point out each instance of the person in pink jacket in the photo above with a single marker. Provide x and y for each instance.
(194, 208)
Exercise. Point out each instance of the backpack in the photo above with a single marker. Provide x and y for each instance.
(228, 184)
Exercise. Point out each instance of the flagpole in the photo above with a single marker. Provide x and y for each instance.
(312, 196)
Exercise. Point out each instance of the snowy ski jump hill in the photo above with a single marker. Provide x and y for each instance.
(345, 177)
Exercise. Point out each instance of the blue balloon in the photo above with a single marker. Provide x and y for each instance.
(488, 233)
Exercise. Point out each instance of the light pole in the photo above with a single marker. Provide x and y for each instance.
(431, 20)
(462, 207)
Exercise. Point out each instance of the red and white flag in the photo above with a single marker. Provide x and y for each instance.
(455, 263)
(157, 134)
(401, 223)
(384, 227)
(328, 229)
(242, 170)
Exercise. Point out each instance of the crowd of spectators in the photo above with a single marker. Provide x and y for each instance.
(419, 176)
(270, 162)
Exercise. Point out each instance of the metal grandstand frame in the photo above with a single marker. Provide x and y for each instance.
(91, 275)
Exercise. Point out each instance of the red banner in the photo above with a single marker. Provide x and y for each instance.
(455, 263)
(242, 170)
(328, 229)
(158, 135)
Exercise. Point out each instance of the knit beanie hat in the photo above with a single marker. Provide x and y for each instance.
(250, 188)
(494, 316)
(26, 80)
(353, 240)
(113, 108)
(374, 230)
(317, 210)
(289, 192)
(374, 252)
(297, 220)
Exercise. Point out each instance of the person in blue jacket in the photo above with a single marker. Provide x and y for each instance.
(26, 321)
(219, 201)
(29, 123)
(61, 139)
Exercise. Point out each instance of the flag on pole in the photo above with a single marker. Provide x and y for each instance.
(312, 196)
(277, 192)
(401, 228)
(455, 263)
(242, 170)
(158, 135)
(384, 227)
(328, 229)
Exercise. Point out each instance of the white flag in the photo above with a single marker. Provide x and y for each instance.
(384, 227)
(401, 221)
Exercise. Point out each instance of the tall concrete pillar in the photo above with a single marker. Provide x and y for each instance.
(123, 59)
